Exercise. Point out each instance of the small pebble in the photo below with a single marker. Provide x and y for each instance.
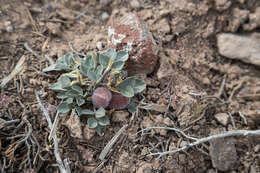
(222, 118)
(257, 148)
(135, 4)
(99, 45)
(104, 16)
(182, 158)
(8, 26)
(88, 133)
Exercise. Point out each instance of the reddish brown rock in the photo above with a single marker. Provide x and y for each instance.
(131, 34)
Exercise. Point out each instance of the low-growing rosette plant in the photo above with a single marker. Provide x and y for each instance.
(93, 83)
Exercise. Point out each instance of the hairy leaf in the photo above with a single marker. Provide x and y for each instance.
(92, 76)
(69, 100)
(121, 56)
(66, 63)
(63, 82)
(132, 107)
(118, 65)
(63, 108)
(80, 101)
(84, 111)
(78, 89)
(100, 113)
(103, 60)
(62, 95)
(87, 64)
(127, 91)
(92, 123)
(99, 130)
(130, 85)
(104, 121)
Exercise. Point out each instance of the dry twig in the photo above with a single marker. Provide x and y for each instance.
(59, 161)
(201, 140)
(18, 68)
(110, 144)
(221, 89)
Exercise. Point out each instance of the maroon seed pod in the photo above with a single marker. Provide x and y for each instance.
(118, 101)
(101, 97)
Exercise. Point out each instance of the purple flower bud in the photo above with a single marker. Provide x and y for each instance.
(118, 101)
(101, 97)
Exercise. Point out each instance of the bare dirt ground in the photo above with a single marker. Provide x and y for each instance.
(192, 80)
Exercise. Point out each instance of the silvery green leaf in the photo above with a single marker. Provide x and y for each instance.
(103, 60)
(127, 91)
(118, 65)
(121, 56)
(69, 100)
(84, 111)
(50, 68)
(100, 113)
(80, 101)
(136, 84)
(57, 87)
(132, 107)
(99, 70)
(104, 121)
(99, 130)
(63, 108)
(76, 59)
(87, 112)
(88, 63)
(91, 62)
(111, 53)
(63, 82)
(92, 123)
(78, 89)
(92, 76)
(65, 63)
(71, 93)
(62, 95)
(84, 68)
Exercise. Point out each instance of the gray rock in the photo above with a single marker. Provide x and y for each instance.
(222, 118)
(223, 154)
(244, 48)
